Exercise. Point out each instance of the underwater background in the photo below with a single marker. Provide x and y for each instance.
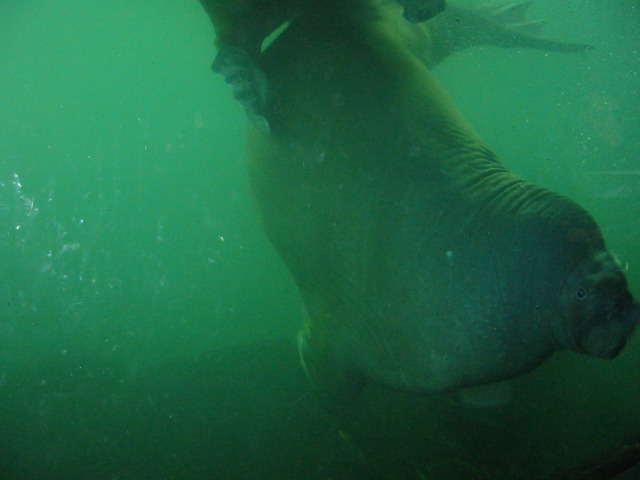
(147, 327)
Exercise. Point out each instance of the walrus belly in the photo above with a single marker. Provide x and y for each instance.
(396, 289)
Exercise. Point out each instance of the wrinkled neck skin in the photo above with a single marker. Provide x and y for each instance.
(543, 238)
(501, 263)
(558, 251)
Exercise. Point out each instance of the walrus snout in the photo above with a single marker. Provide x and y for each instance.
(633, 318)
(607, 341)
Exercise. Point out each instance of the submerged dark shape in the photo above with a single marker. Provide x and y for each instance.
(424, 264)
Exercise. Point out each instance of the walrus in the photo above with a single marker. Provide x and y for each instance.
(424, 264)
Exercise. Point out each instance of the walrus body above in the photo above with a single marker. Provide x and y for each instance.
(424, 264)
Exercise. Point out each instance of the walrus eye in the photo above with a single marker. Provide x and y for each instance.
(581, 294)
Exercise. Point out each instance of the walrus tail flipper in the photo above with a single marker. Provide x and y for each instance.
(501, 24)
(508, 25)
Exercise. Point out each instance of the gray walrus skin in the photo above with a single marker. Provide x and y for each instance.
(424, 264)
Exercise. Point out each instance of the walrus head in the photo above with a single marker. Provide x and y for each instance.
(600, 312)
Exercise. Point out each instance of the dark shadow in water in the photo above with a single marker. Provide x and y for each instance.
(248, 413)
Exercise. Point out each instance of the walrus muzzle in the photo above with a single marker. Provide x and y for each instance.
(608, 340)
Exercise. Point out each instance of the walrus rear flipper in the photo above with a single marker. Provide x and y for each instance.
(248, 83)
(526, 34)
(503, 25)
(508, 25)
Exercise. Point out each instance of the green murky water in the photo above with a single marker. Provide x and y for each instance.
(147, 326)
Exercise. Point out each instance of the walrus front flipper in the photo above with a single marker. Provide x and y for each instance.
(417, 11)
(324, 375)
(248, 83)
